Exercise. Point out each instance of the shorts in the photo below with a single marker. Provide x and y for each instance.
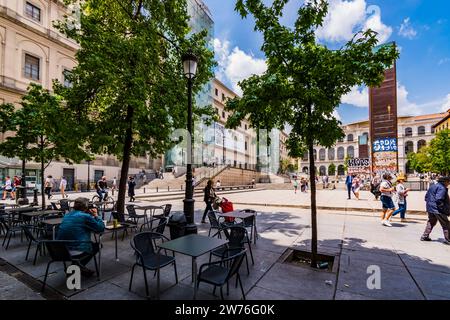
(387, 203)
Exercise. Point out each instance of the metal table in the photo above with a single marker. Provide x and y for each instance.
(193, 245)
(53, 223)
(241, 215)
(35, 215)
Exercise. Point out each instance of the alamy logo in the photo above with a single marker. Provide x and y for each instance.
(73, 281)
(374, 280)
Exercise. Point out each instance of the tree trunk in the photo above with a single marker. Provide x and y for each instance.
(128, 142)
(42, 173)
(312, 178)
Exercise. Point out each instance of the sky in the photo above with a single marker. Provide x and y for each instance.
(421, 29)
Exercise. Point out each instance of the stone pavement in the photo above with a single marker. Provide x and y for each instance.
(410, 269)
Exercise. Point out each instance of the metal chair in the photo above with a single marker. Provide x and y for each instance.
(215, 224)
(217, 273)
(149, 259)
(10, 230)
(249, 222)
(59, 252)
(134, 216)
(166, 212)
(39, 240)
(64, 204)
(128, 224)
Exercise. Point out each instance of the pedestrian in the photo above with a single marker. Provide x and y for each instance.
(374, 186)
(349, 183)
(17, 182)
(402, 193)
(387, 190)
(356, 186)
(295, 185)
(161, 173)
(102, 188)
(8, 188)
(253, 181)
(114, 186)
(48, 186)
(62, 187)
(208, 196)
(438, 208)
(325, 181)
(131, 186)
(218, 184)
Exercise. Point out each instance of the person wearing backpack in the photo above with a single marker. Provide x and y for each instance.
(208, 196)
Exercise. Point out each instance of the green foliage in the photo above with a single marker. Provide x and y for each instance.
(332, 169)
(129, 88)
(433, 158)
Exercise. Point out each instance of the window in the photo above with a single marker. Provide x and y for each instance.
(246, 145)
(217, 111)
(223, 114)
(245, 127)
(305, 156)
(315, 154)
(66, 76)
(32, 68)
(421, 131)
(341, 140)
(409, 147)
(421, 144)
(331, 154)
(408, 132)
(341, 153)
(217, 92)
(223, 97)
(350, 138)
(322, 153)
(33, 12)
(351, 152)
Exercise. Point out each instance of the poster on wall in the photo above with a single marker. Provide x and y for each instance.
(385, 161)
(358, 166)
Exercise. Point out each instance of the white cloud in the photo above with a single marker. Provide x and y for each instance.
(358, 97)
(406, 30)
(404, 105)
(236, 65)
(443, 61)
(337, 115)
(346, 17)
(446, 104)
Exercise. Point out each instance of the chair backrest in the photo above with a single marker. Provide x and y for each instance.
(58, 250)
(64, 203)
(249, 221)
(54, 206)
(27, 231)
(142, 243)
(131, 210)
(235, 236)
(167, 209)
(213, 219)
(236, 263)
(118, 216)
(161, 226)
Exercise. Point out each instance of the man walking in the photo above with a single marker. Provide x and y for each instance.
(387, 190)
(349, 183)
(438, 208)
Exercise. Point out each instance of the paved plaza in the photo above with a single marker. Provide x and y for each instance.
(410, 269)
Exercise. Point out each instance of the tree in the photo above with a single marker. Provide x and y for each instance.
(332, 169)
(433, 158)
(305, 80)
(43, 132)
(128, 87)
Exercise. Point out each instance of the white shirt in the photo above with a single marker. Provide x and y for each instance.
(63, 184)
(217, 184)
(400, 193)
(386, 185)
(8, 184)
(49, 182)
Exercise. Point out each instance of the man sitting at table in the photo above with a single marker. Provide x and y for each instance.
(78, 225)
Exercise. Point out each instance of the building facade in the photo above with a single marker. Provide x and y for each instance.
(414, 132)
(444, 123)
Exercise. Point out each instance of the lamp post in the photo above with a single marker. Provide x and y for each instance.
(190, 62)
(88, 188)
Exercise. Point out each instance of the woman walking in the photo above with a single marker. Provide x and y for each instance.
(48, 186)
(131, 186)
(387, 189)
(8, 188)
(208, 197)
(62, 187)
(402, 193)
(295, 185)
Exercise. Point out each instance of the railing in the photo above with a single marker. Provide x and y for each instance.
(210, 174)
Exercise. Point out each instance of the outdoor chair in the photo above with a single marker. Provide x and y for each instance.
(149, 259)
(249, 222)
(64, 204)
(166, 212)
(38, 240)
(236, 236)
(10, 230)
(134, 216)
(220, 272)
(59, 252)
(215, 224)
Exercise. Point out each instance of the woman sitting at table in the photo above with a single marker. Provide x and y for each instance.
(78, 225)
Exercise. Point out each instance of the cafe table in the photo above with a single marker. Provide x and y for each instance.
(240, 214)
(193, 245)
(35, 215)
(53, 223)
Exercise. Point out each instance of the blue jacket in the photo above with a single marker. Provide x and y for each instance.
(78, 225)
(437, 199)
(349, 180)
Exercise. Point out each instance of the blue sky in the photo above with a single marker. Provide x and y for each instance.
(421, 28)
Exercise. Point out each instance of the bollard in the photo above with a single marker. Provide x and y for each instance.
(157, 189)
(168, 188)
(144, 190)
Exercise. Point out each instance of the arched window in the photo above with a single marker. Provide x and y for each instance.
(305, 156)
(331, 154)
(421, 144)
(408, 169)
(351, 152)
(341, 170)
(350, 138)
(322, 154)
(315, 155)
(322, 171)
(305, 170)
(421, 131)
(408, 132)
(409, 147)
(341, 153)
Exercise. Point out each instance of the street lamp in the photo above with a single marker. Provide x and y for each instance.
(190, 62)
